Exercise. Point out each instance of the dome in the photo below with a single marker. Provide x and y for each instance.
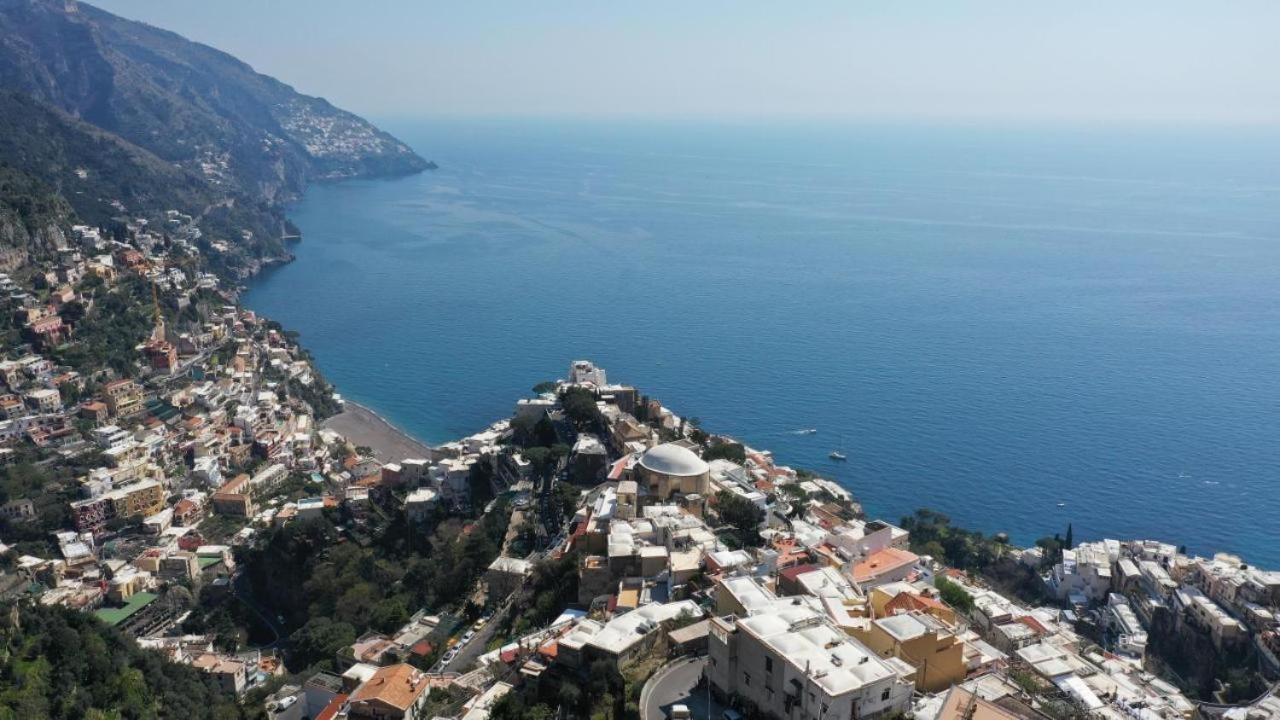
(672, 459)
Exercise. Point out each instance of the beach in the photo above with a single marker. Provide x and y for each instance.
(362, 426)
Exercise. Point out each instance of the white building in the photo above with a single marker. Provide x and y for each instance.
(535, 407)
(626, 636)
(583, 371)
(1131, 638)
(419, 503)
(792, 663)
(1084, 574)
(1208, 614)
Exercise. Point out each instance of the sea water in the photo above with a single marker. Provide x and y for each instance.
(1021, 327)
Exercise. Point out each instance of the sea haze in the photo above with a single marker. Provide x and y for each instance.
(989, 322)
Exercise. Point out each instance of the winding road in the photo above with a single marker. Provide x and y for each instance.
(677, 682)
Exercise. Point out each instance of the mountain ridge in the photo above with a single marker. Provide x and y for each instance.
(195, 126)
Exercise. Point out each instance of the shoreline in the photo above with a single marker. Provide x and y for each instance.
(361, 425)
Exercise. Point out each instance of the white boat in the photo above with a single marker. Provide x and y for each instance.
(805, 431)
(837, 455)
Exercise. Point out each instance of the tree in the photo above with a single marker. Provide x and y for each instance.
(742, 515)
(524, 428)
(1069, 543)
(480, 481)
(320, 639)
(390, 614)
(59, 663)
(545, 386)
(579, 405)
(1052, 547)
(540, 458)
(954, 595)
(933, 549)
(69, 392)
(732, 451)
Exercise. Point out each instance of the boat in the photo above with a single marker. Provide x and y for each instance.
(1062, 504)
(805, 431)
(837, 455)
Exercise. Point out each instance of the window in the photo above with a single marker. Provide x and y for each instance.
(885, 695)
(768, 664)
(746, 679)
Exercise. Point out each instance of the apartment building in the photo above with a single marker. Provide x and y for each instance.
(792, 663)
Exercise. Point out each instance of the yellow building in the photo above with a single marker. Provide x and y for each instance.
(124, 397)
(897, 598)
(923, 642)
(144, 498)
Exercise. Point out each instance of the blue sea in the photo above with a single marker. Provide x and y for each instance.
(1021, 327)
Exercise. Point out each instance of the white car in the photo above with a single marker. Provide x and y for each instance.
(286, 703)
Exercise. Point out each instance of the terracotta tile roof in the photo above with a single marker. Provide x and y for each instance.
(881, 562)
(791, 573)
(396, 685)
(959, 704)
(618, 468)
(910, 601)
(330, 711)
(1034, 624)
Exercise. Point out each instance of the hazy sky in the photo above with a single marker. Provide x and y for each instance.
(1173, 61)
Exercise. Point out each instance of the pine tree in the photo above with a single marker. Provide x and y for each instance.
(1070, 542)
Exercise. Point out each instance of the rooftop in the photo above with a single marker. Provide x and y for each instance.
(832, 660)
(395, 685)
(673, 459)
(882, 562)
(115, 616)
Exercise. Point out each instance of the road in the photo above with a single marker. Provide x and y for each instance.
(240, 586)
(677, 682)
(476, 646)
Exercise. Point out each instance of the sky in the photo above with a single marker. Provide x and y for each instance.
(1169, 62)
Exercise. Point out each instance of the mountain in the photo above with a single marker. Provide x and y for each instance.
(125, 119)
(185, 102)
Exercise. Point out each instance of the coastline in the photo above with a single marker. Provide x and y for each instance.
(996, 478)
(361, 425)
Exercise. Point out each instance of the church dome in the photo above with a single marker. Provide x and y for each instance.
(672, 459)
